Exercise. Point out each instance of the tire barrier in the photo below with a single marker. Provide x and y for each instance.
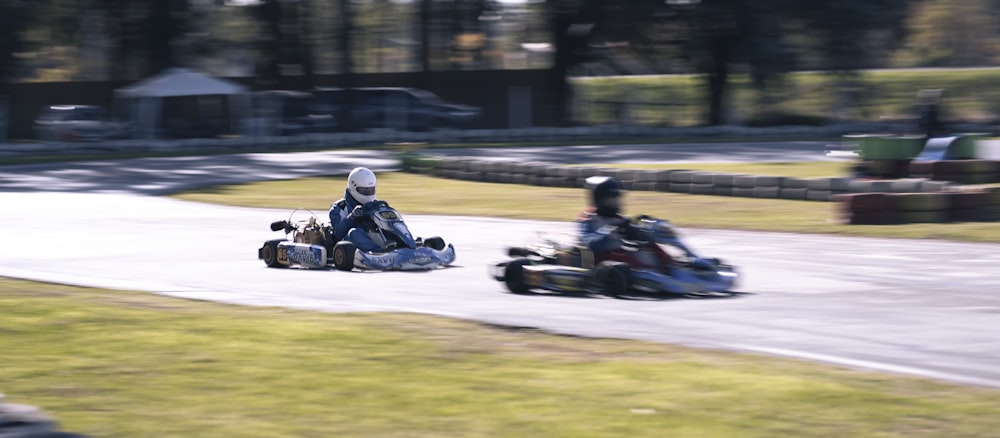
(857, 201)
(679, 180)
(976, 205)
(923, 207)
(991, 212)
(890, 169)
(958, 171)
(867, 209)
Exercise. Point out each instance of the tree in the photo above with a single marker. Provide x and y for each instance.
(144, 35)
(848, 35)
(951, 34)
(166, 23)
(571, 24)
(711, 37)
(12, 22)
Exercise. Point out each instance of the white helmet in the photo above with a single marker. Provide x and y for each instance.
(361, 184)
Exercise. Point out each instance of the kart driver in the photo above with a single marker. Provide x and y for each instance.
(602, 227)
(348, 216)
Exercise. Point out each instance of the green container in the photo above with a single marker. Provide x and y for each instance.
(884, 147)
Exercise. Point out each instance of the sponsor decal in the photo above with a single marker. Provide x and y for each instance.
(381, 261)
(306, 256)
(420, 260)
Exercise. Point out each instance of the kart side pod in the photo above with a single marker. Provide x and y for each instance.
(309, 256)
(287, 253)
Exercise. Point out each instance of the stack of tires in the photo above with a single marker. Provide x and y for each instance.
(969, 206)
(867, 208)
(960, 171)
(991, 212)
(923, 207)
(887, 156)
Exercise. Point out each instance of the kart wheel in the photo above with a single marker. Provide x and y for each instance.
(269, 253)
(435, 243)
(613, 277)
(343, 256)
(513, 275)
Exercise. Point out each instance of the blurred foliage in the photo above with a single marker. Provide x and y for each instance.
(807, 98)
(742, 52)
(12, 23)
(130, 39)
(952, 34)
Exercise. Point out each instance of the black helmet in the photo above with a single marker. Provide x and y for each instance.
(605, 194)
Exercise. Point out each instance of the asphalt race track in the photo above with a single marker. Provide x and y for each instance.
(927, 308)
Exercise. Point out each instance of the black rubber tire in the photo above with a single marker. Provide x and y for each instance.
(343, 255)
(435, 243)
(513, 276)
(614, 278)
(269, 253)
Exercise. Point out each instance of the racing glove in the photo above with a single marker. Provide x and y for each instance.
(634, 233)
(358, 212)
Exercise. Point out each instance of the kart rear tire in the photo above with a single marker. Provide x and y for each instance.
(614, 278)
(513, 276)
(435, 243)
(343, 256)
(269, 253)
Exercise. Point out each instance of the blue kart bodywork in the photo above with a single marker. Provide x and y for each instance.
(405, 259)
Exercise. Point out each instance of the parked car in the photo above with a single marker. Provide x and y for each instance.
(405, 109)
(292, 112)
(78, 123)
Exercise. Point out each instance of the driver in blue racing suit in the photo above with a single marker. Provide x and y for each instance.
(348, 216)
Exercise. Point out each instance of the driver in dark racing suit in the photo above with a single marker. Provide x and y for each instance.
(348, 217)
(602, 228)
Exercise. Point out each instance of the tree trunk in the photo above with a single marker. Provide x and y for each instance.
(564, 48)
(269, 47)
(344, 116)
(717, 81)
(425, 35)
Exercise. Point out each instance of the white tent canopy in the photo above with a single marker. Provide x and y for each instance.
(145, 98)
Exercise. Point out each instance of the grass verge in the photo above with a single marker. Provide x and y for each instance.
(421, 194)
(117, 363)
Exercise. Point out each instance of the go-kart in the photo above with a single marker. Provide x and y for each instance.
(309, 244)
(656, 263)
(398, 249)
(312, 245)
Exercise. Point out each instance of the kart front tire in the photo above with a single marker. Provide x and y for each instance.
(343, 256)
(269, 253)
(513, 276)
(614, 278)
(435, 243)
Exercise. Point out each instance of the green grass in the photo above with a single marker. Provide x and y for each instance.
(420, 194)
(117, 363)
